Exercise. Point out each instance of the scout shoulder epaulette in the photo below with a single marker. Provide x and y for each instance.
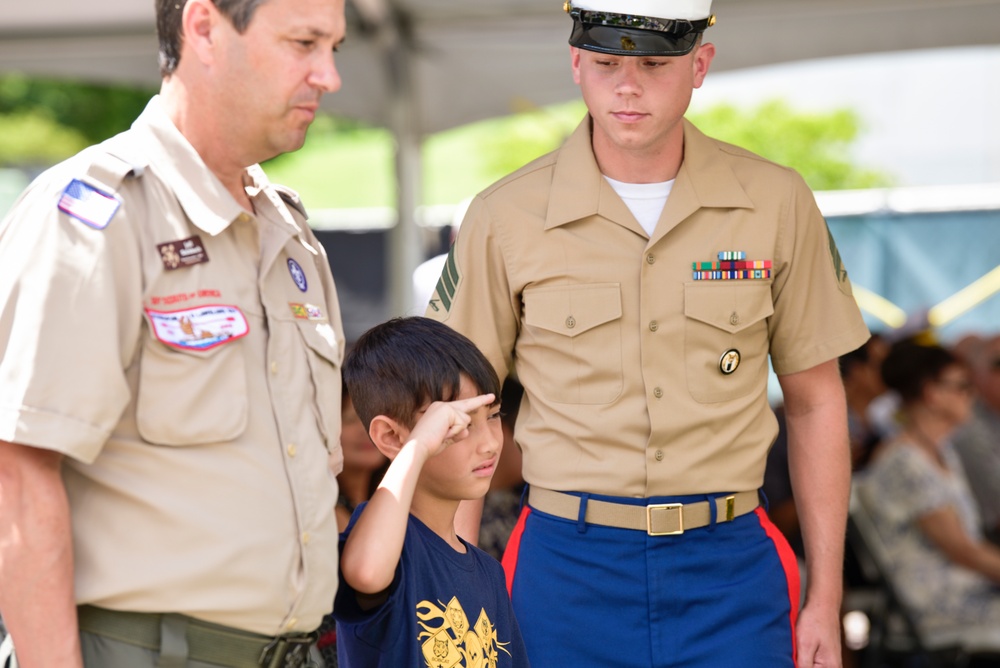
(111, 162)
(291, 198)
(91, 197)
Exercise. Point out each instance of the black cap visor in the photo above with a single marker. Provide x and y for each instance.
(631, 35)
(622, 41)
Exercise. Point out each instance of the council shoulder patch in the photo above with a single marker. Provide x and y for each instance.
(92, 207)
(198, 328)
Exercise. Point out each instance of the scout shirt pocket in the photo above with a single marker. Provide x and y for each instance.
(191, 396)
(571, 343)
(723, 317)
(323, 354)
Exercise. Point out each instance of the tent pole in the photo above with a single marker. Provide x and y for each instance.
(405, 243)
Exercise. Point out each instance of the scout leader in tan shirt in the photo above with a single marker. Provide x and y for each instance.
(170, 379)
(644, 353)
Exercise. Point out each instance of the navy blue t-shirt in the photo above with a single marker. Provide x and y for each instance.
(444, 610)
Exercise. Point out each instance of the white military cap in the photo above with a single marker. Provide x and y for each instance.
(638, 27)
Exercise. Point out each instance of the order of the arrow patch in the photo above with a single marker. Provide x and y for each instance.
(199, 328)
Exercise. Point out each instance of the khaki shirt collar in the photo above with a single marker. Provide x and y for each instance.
(579, 189)
(207, 203)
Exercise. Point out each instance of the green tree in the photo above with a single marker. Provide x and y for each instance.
(817, 145)
(51, 120)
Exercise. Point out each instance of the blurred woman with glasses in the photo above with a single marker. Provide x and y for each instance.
(919, 497)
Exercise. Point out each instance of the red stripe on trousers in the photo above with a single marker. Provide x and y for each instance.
(789, 563)
(509, 560)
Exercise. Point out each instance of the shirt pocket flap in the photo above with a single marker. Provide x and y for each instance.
(729, 306)
(322, 340)
(572, 310)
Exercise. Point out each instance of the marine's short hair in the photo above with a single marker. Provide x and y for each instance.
(397, 368)
(168, 26)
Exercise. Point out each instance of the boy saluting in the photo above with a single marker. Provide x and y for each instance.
(412, 592)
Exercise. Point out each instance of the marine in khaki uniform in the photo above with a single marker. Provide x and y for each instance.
(170, 380)
(637, 280)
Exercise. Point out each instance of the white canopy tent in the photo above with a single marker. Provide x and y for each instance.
(421, 66)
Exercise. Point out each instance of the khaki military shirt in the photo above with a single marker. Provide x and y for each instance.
(631, 382)
(185, 356)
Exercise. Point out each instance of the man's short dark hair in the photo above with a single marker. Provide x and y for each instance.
(168, 25)
(400, 366)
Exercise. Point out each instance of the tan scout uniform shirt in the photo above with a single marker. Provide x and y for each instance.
(194, 386)
(617, 346)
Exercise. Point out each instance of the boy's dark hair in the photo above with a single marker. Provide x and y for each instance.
(400, 366)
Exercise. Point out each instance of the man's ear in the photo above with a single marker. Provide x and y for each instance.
(388, 435)
(574, 62)
(198, 25)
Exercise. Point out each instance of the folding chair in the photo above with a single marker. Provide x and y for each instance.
(895, 635)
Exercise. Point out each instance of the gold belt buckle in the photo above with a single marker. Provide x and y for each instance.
(679, 507)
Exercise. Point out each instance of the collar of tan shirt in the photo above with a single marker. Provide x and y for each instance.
(705, 179)
(207, 203)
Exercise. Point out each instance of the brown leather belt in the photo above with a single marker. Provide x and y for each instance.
(209, 643)
(658, 519)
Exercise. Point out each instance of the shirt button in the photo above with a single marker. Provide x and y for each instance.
(734, 319)
(291, 450)
(659, 455)
(243, 217)
(305, 538)
(274, 367)
(291, 623)
(650, 258)
(570, 322)
(653, 326)
(657, 392)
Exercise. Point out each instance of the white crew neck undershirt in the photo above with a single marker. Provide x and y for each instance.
(644, 200)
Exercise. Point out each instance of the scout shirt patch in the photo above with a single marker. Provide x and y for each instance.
(298, 275)
(306, 312)
(199, 328)
(447, 285)
(182, 253)
(92, 207)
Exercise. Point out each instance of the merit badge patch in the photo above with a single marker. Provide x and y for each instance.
(182, 253)
(199, 328)
(89, 205)
(306, 312)
(298, 275)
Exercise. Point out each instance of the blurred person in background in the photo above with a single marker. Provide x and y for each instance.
(978, 442)
(502, 503)
(861, 371)
(363, 463)
(918, 495)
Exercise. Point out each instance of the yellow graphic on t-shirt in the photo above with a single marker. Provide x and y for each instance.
(448, 642)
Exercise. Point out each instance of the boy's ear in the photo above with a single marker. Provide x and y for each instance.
(387, 435)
